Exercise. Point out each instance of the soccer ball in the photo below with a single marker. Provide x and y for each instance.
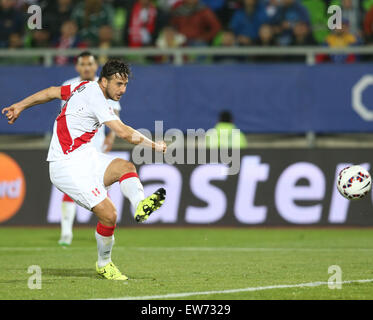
(354, 182)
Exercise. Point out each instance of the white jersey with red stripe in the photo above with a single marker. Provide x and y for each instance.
(84, 112)
(99, 138)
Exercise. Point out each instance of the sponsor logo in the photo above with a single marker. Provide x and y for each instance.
(269, 189)
(12, 187)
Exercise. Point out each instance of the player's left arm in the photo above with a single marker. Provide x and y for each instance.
(110, 137)
(40, 97)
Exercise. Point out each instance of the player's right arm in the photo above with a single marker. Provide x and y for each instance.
(43, 96)
(133, 136)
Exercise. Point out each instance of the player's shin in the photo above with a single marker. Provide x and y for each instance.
(105, 241)
(132, 188)
(68, 211)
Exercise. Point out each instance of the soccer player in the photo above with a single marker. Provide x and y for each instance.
(79, 170)
(86, 66)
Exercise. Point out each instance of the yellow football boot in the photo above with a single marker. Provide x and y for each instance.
(111, 272)
(147, 206)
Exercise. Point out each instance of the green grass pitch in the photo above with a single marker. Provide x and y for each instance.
(166, 261)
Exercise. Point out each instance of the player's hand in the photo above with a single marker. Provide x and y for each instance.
(12, 113)
(161, 146)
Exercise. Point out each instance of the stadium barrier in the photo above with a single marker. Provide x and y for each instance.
(277, 187)
(309, 52)
(262, 98)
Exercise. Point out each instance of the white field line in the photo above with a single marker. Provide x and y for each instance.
(217, 249)
(249, 289)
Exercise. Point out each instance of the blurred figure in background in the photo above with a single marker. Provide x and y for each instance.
(289, 13)
(224, 137)
(38, 39)
(11, 21)
(340, 38)
(302, 35)
(227, 38)
(266, 36)
(351, 11)
(246, 22)
(90, 15)
(169, 38)
(368, 26)
(227, 11)
(68, 39)
(142, 24)
(318, 12)
(266, 39)
(196, 22)
(55, 14)
(16, 42)
(105, 41)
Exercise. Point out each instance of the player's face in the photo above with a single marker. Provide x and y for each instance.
(87, 68)
(116, 87)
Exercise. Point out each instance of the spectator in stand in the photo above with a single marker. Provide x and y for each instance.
(227, 11)
(340, 38)
(68, 39)
(352, 12)
(368, 27)
(271, 7)
(15, 41)
(55, 14)
(302, 35)
(142, 24)
(105, 41)
(90, 15)
(196, 22)
(266, 36)
(11, 21)
(169, 38)
(290, 12)
(38, 39)
(266, 39)
(246, 22)
(226, 38)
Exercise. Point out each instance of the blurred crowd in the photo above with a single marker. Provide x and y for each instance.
(177, 23)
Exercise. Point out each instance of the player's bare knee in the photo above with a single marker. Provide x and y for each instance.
(127, 167)
(106, 212)
(112, 217)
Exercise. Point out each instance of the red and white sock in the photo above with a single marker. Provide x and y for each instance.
(105, 241)
(132, 188)
(68, 210)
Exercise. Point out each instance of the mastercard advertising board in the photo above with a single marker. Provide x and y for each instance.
(12, 187)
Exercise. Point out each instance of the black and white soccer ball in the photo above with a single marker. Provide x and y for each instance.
(354, 182)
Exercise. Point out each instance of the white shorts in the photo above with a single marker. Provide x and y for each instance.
(81, 177)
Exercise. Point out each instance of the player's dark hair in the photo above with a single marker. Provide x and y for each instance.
(85, 54)
(114, 66)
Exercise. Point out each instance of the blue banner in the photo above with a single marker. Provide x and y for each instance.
(262, 98)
